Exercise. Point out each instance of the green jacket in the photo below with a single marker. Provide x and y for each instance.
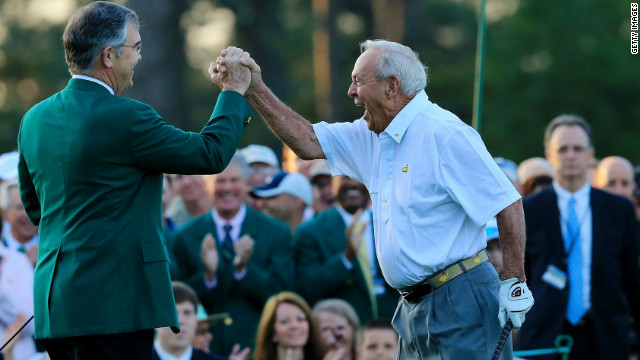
(90, 172)
(321, 273)
(269, 272)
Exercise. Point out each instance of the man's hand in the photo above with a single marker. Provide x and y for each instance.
(236, 354)
(230, 74)
(244, 249)
(246, 60)
(515, 301)
(210, 257)
(354, 235)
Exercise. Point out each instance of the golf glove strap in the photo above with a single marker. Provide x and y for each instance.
(515, 301)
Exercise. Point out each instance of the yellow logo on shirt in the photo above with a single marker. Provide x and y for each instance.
(405, 168)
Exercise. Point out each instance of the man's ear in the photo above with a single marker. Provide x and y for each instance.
(108, 56)
(392, 85)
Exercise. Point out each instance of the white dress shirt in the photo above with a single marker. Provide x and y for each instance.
(433, 185)
(583, 210)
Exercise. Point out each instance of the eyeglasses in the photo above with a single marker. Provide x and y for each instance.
(137, 47)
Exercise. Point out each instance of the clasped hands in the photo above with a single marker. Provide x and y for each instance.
(235, 70)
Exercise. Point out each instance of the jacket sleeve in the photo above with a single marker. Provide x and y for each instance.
(157, 146)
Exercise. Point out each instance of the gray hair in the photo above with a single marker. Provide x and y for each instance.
(5, 198)
(91, 29)
(398, 60)
(566, 120)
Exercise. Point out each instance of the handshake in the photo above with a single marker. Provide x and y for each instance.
(235, 70)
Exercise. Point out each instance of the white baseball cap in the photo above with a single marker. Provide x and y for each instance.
(260, 153)
(284, 183)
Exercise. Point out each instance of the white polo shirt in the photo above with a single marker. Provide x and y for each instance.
(433, 185)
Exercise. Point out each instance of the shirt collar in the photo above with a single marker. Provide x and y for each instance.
(14, 244)
(235, 222)
(163, 355)
(581, 195)
(88, 78)
(399, 125)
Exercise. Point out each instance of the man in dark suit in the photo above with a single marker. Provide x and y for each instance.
(234, 257)
(581, 255)
(90, 170)
(328, 265)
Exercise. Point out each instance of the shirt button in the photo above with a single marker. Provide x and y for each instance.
(388, 178)
(385, 201)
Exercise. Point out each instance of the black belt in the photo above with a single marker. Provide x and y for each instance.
(414, 293)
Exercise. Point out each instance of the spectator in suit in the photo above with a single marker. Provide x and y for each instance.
(339, 325)
(615, 175)
(170, 346)
(285, 198)
(22, 235)
(581, 253)
(287, 330)
(234, 257)
(535, 174)
(377, 340)
(331, 265)
(190, 198)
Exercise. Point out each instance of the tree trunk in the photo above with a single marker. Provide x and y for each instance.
(158, 79)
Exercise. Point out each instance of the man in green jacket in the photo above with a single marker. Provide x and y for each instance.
(90, 170)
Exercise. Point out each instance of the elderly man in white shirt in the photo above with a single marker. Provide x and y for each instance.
(434, 186)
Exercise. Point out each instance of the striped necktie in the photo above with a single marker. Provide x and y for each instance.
(228, 251)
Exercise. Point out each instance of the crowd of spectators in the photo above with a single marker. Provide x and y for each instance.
(274, 264)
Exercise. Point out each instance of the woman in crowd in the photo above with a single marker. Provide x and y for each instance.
(339, 325)
(288, 331)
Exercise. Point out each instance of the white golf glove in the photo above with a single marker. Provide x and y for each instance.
(515, 301)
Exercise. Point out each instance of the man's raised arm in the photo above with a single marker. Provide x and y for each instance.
(291, 128)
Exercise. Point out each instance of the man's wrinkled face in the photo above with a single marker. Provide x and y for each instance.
(367, 92)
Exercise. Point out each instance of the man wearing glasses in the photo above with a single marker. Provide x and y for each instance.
(90, 170)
